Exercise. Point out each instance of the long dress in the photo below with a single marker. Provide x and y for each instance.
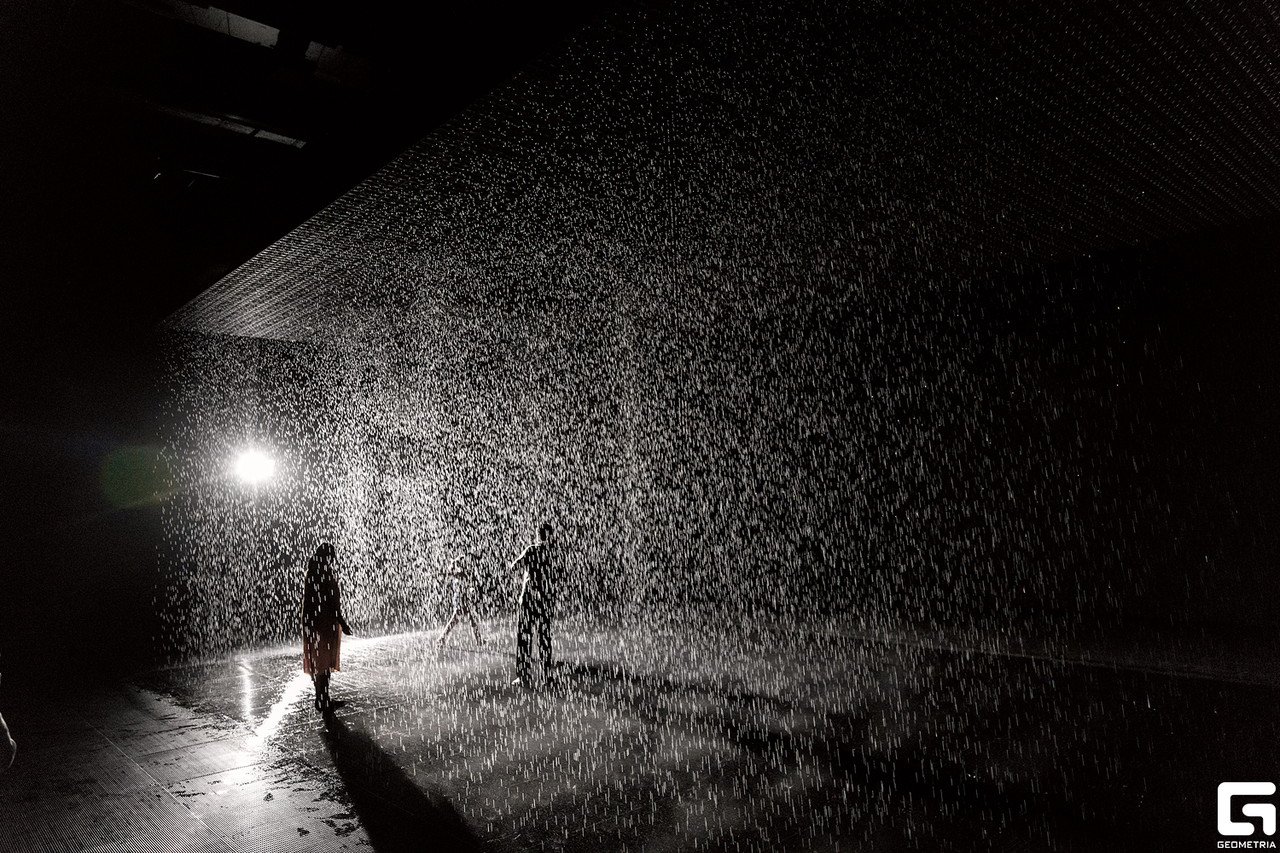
(321, 624)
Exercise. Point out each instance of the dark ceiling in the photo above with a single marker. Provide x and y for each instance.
(926, 138)
(150, 146)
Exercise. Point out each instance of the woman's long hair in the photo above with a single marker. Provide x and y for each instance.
(320, 565)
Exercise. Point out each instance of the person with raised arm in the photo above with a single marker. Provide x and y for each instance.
(463, 580)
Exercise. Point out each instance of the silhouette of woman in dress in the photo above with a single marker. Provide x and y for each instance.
(322, 623)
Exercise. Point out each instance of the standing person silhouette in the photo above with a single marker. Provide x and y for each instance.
(322, 620)
(463, 582)
(538, 566)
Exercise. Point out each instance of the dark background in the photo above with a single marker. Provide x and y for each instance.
(119, 207)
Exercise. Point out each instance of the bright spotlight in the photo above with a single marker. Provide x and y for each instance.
(254, 466)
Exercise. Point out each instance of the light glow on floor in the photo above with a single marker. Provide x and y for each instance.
(293, 691)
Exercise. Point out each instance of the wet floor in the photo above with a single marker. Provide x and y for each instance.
(641, 738)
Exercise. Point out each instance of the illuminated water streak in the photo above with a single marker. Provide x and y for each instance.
(293, 691)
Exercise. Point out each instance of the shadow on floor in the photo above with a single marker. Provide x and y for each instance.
(394, 811)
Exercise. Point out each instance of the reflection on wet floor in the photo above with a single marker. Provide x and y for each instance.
(643, 739)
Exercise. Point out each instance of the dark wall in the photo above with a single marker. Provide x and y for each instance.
(79, 452)
(1127, 410)
(79, 400)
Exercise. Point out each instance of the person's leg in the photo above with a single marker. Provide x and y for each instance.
(322, 690)
(524, 646)
(475, 626)
(453, 620)
(544, 643)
